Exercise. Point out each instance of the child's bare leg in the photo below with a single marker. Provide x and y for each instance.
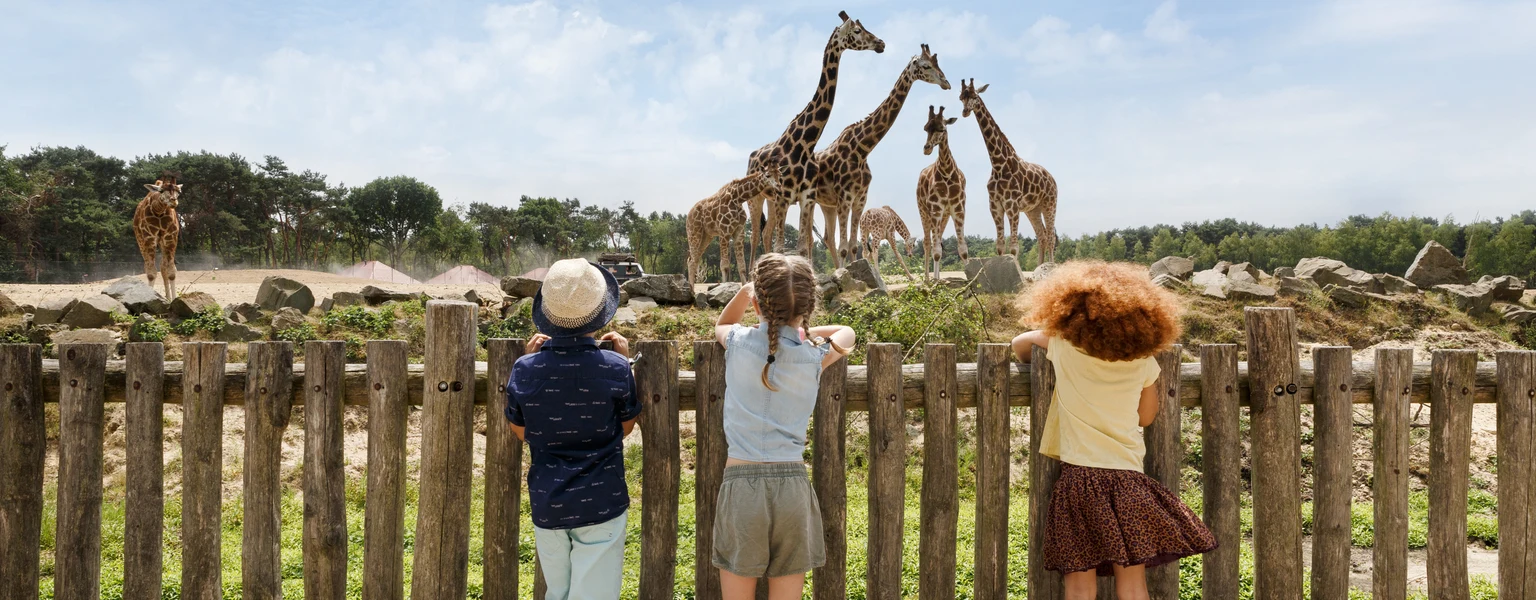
(1131, 582)
(736, 587)
(1082, 585)
(788, 587)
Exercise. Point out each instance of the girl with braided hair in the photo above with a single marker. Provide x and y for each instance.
(768, 522)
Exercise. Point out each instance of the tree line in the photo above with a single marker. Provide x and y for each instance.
(67, 212)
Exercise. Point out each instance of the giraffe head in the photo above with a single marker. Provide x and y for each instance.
(925, 67)
(774, 170)
(970, 96)
(937, 128)
(168, 194)
(852, 35)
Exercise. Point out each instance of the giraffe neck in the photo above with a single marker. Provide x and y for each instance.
(946, 160)
(998, 147)
(814, 116)
(743, 189)
(868, 132)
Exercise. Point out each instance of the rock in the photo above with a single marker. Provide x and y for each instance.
(1514, 315)
(701, 300)
(520, 287)
(972, 267)
(472, 296)
(664, 289)
(237, 332)
(1177, 267)
(623, 297)
(1249, 291)
(326, 305)
(824, 278)
(843, 277)
(375, 295)
(625, 316)
(641, 303)
(1326, 272)
(1344, 295)
(999, 275)
(286, 318)
(7, 306)
(189, 304)
(1392, 284)
(1285, 272)
(1507, 288)
(340, 299)
(278, 292)
(827, 292)
(244, 312)
(137, 296)
(1221, 267)
(43, 334)
(515, 307)
(51, 310)
(1470, 299)
(1168, 281)
(721, 293)
(955, 282)
(1529, 298)
(1042, 271)
(1295, 286)
(1308, 267)
(1235, 275)
(861, 270)
(95, 311)
(1243, 267)
(1218, 292)
(1435, 265)
(1209, 278)
(86, 336)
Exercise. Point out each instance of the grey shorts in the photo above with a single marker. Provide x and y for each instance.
(768, 522)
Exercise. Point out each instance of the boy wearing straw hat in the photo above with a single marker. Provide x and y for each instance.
(574, 403)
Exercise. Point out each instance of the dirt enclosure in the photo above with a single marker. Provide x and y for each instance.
(239, 285)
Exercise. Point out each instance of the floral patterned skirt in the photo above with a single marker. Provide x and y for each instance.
(1099, 518)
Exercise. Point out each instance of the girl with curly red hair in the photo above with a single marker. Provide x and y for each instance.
(1101, 325)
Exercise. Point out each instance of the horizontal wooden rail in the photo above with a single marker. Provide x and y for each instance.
(356, 385)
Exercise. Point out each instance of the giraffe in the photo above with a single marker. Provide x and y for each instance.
(1015, 186)
(798, 142)
(155, 228)
(721, 215)
(940, 193)
(883, 224)
(842, 169)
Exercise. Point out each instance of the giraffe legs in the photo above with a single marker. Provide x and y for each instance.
(741, 257)
(1048, 239)
(960, 235)
(1014, 242)
(756, 245)
(147, 247)
(891, 237)
(696, 247)
(1045, 239)
(852, 211)
(830, 215)
(168, 266)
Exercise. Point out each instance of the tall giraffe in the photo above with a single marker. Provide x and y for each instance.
(798, 142)
(1016, 185)
(155, 228)
(883, 224)
(842, 169)
(722, 215)
(940, 193)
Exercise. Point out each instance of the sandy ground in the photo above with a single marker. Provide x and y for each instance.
(235, 286)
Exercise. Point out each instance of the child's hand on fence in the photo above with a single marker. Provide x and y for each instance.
(620, 343)
(535, 342)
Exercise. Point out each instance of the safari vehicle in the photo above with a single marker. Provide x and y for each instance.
(623, 266)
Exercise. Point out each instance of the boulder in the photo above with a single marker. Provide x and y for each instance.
(1218, 292)
(244, 312)
(1221, 267)
(279, 292)
(286, 318)
(86, 336)
(623, 297)
(472, 296)
(7, 306)
(1507, 288)
(340, 299)
(625, 316)
(1308, 267)
(843, 277)
(1326, 272)
(1167, 281)
(972, 267)
(721, 294)
(1392, 284)
(1042, 271)
(827, 292)
(861, 270)
(137, 296)
(237, 332)
(189, 304)
(136, 330)
(1176, 267)
(701, 300)
(1435, 265)
(514, 307)
(43, 334)
(1344, 295)
(1295, 286)
(999, 275)
(1243, 267)
(375, 295)
(1470, 299)
(1236, 275)
(51, 310)
(1285, 271)
(641, 303)
(1515, 315)
(1249, 291)
(664, 289)
(94, 311)
(520, 287)
(1209, 278)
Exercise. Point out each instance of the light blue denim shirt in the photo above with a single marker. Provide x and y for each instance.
(763, 425)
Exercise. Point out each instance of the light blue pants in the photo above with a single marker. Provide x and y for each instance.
(585, 563)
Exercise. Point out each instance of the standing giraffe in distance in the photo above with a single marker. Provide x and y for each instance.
(722, 215)
(940, 193)
(1016, 185)
(883, 224)
(798, 142)
(842, 169)
(155, 228)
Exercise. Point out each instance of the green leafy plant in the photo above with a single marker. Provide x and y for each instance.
(121, 318)
(519, 325)
(922, 313)
(13, 336)
(210, 319)
(151, 330)
(297, 334)
(376, 324)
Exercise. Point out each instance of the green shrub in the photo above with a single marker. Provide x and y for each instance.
(121, 318)
(14, 335)
(519, 325)
(150, 330)
(922, 313)
(211, 320)
(376, 325)
(297, 334)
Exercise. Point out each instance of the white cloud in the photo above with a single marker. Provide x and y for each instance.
(1438, 28)
(1165, 25)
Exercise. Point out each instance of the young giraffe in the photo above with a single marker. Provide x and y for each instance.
(940, 193)
(721, 215)
(155, 228)
(842, 169)
(883, 224)
(1016, 186)
(798, 142)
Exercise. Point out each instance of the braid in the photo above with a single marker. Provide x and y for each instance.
(784, 294)
(773, 348)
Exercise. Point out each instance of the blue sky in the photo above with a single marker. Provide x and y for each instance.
(1145, 111)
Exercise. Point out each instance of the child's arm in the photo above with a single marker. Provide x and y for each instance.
(1024, 343)
(734, 311)
(1146, 410)
(842, 335)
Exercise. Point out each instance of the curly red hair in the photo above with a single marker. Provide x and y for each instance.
(1110, 311)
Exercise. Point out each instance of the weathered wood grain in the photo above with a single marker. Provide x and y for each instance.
(268, 409)
(77, 540)
(940, 510)
(1276, 433)
(887, 473)
(1221, 457)
(1389, 482)
(1332, 472)
(144, 498)
(661, 455)
(1043, 471)
(992, 471)
(709, 466)
(1165, 452)
(440, 567)
(1450, 451)
(384, 514)
(23, 438)
(1517, 474)
(325, 492)
(829, 460)
(202, 464)
(503, 476)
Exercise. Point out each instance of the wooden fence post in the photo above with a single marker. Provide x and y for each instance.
(1517, 474)
(992, 428)
(709, 462)
(441, 562)
(268, 407)
(1453, 378)
(656, 384)
(829, 477)
(887, 472)
(1165, 454)
(503, 475)
(940, 510)
(144, 499)
(1389, 484)
(23, 438)
(1043, 471)
(202, 452)
(325, 479)
(1221, 455)
(384, 513)
(1273, 371)
(1333, 469)
(77, 550)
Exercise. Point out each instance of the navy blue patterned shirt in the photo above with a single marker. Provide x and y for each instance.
(572, 398)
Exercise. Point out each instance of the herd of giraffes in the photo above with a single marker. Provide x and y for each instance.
(789, 171)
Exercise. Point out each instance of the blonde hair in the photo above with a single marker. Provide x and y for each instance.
(785, 288)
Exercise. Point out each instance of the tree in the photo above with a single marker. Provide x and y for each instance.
(393, 211)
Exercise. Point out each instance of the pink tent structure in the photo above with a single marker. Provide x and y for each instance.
(464, 275)
(376, 271)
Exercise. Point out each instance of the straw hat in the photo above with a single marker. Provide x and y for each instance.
(576, 298)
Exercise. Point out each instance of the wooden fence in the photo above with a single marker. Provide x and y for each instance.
(1270, 386)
